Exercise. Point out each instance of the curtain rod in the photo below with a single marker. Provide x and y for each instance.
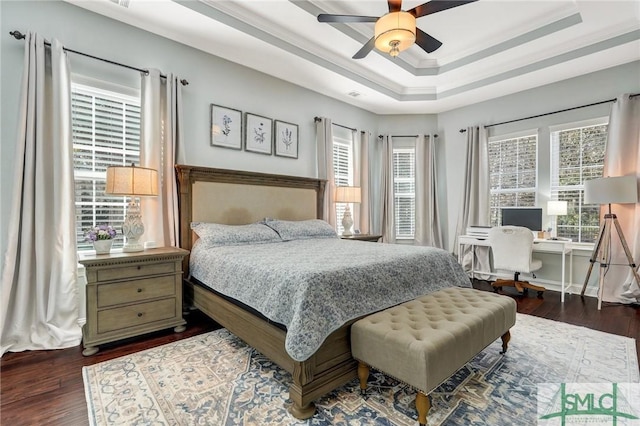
(19, 36)
(403, 136)
(553, 112)
(317, 119)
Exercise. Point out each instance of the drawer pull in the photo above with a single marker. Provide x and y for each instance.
(139, 267)
(139, 314)
(139, 290)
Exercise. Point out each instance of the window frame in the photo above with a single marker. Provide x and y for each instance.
(409, 148)
(115, 93)
(343, 179)
(556, 189)
(495, 217)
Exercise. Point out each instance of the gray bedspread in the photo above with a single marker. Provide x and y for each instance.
(315, 286)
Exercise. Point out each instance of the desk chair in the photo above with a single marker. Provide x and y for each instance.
(512, 247)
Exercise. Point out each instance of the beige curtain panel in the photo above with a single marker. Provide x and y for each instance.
(39, 301)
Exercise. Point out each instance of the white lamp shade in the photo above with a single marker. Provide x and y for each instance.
(611, 190)
(395, 27)
(556, 208)
(131, 180)
(347, 194)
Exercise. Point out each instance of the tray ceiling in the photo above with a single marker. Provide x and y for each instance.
(490, 48)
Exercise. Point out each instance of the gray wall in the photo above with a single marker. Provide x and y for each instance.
(584, 90)
(211, 80)
(215, 80)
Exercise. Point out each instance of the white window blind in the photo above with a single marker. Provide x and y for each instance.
(513, 165)
(343, 173)
(577, 155)
(404, 190)
(106, 132)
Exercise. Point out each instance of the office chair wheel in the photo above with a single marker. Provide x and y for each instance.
(497, 289)
(540, 293)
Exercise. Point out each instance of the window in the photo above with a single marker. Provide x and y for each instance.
(513, 165)
(404, 190)
(106, 132)
(577, 155)
(343, 170)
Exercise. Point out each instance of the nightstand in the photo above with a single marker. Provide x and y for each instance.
(129, 294)
(362, 237)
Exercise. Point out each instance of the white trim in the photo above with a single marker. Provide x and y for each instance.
(403, 142)
(578, 125)
(104, 88)
(515, 135)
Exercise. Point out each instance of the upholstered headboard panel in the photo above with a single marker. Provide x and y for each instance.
(237, 204)
(239, 197)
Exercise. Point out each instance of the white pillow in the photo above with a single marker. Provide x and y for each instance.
(217, 234)
(301, 229)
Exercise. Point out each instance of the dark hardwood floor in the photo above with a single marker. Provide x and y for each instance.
(45, 387)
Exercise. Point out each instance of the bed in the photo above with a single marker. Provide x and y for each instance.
(313, 346)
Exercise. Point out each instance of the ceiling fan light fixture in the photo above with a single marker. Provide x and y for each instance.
(395, 32)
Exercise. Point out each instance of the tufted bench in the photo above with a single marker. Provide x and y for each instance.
(424, 341)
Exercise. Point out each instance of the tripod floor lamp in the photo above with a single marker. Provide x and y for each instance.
(609, 190)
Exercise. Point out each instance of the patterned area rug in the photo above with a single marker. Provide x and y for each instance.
(216, 379)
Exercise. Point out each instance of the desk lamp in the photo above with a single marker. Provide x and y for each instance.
(348, 195)
(134, 182)
(556, 208)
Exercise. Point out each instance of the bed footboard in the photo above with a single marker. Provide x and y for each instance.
(329, 368)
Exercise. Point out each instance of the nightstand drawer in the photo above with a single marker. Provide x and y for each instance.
(134, 315)
(136, 291)
(129, 272)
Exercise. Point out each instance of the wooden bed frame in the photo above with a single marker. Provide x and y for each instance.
(288, 198)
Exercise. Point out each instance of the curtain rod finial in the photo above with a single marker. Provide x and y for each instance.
(184, 82)
(18, 35)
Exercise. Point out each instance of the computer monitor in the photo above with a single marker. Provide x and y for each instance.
(529, 217)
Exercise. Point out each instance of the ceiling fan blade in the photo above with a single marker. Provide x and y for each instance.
(325, 17)
(395, 5)
(426, 42)
(435, 6)
(364, 50)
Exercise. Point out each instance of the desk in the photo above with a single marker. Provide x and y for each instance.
(561, 247)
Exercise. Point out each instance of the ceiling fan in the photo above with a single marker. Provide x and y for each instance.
(396, 31)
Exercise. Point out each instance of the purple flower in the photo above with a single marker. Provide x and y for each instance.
(100, 232)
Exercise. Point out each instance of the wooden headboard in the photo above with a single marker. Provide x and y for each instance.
(240, 197)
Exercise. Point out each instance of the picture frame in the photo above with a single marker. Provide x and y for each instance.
(226, 127)
(258, 134)
(286, 139)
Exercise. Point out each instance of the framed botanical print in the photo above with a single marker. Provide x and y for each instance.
(226, 127)
(286, 139)
(258, 134)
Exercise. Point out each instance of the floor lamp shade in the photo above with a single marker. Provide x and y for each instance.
(611, 190)
(347, 194)
(135, 182)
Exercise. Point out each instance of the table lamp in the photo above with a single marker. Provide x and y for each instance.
(348, 195)
(134, 182)
(609, 190)
(556, 208)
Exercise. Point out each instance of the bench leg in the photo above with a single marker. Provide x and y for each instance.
(423, 405)
(363, 375)
(505, 341)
